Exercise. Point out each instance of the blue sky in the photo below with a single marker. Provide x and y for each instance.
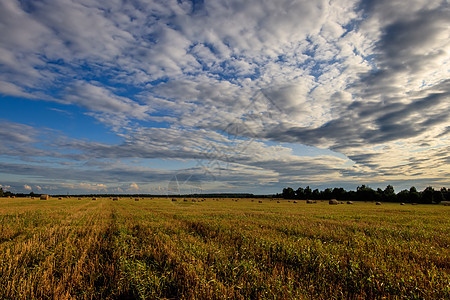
(223, 96)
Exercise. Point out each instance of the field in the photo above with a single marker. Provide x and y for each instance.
(157, 248)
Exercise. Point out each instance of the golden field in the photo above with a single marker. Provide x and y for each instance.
(156, 248)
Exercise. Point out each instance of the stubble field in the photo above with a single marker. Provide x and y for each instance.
(158, 248)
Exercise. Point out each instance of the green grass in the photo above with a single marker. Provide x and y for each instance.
(156, 248)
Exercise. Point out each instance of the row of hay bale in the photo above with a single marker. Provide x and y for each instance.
(335, 202)
(46, 197)
(191, 200)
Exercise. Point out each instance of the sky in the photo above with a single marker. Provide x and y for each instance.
(211, 96)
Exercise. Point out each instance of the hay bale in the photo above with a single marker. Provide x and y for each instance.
(378, 203)
(259, 201)
(94, 198)
(402, 203)
(310, 202)
(115, 199)
(136, 199)
(333, 202)
(349, 202)
(59, 198)
(278, 201)
(445, 203)
(295, 201)
(44, 197)
(174, 200)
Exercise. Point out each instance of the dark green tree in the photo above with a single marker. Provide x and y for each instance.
(446, 193)
(300, 192)
(389, 194)
(427, 195)
(365, 193)
(327, 194)
(315, 194)
(438, 197)
(308, 192)
(403, 196)
(414, 196)
(288, 193)
(339, 194)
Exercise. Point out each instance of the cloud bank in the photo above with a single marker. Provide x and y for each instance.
(225, 90)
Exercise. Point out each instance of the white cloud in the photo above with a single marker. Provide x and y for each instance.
(99, 99)
(134, 186)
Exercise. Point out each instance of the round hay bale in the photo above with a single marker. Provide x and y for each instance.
(259, 201)
(94, 198)
(115, 199)
(378, 203)
(309, 201)
(136, 199)
(44, 197)
(349, 202)
(174, 200)
(333, 202)
(278, 201)
(402, 203)
(295, 201)
(59, 198)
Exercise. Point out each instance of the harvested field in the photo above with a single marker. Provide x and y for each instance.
(159, 248)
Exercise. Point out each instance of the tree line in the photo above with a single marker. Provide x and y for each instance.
(364, 193)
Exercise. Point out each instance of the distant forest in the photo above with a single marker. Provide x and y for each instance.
(364, 193)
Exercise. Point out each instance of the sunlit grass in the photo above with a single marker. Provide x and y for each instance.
(156, 248)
